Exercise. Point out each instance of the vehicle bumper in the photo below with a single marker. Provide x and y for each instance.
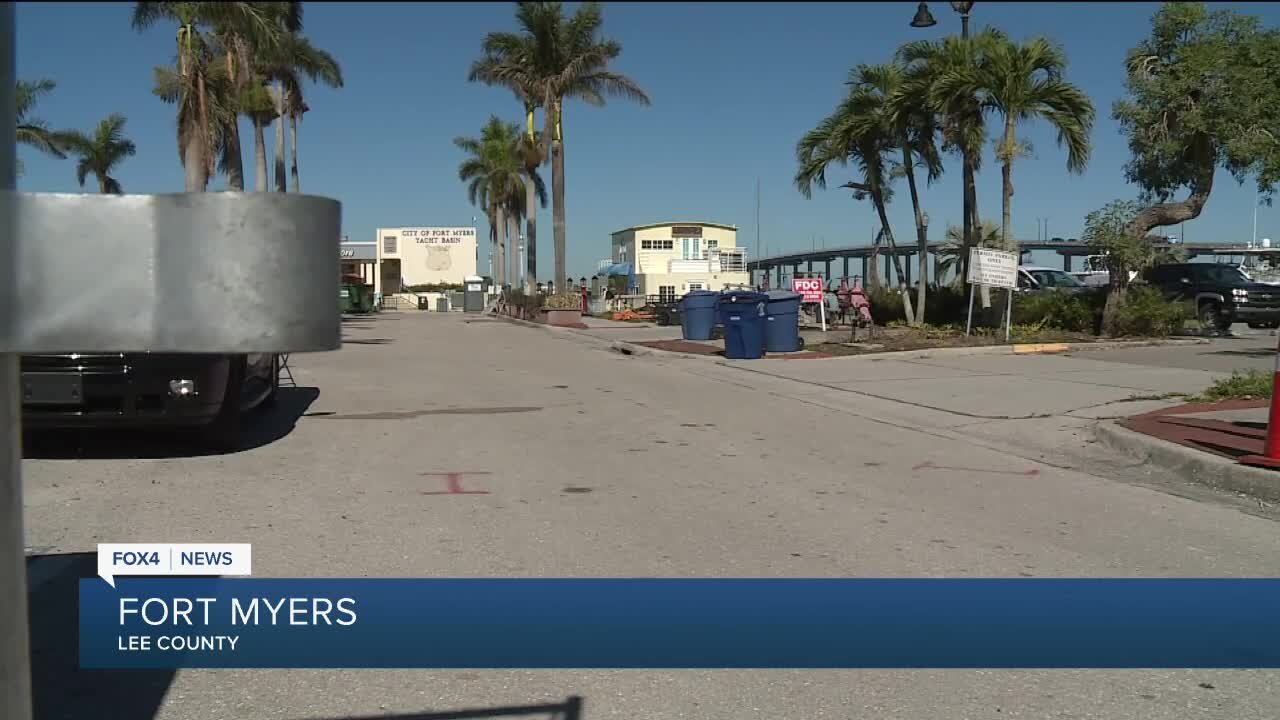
(128, 390)
(1254, 314)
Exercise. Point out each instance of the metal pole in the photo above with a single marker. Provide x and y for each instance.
(15, 667)
(968, 325)
(1008, 315)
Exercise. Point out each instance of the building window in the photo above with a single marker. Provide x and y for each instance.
(656, 244)
(712, 244)
(696, 286)
(646, 244)
(666, 293)
(388, 243)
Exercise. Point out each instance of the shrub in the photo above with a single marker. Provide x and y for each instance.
(1144, 311)
(1252, 384)
(563, 301)
(886, 305)
(1057, 310)
(946, 305)
(435, 287)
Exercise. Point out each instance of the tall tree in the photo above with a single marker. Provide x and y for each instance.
(861, 131)
(915, 126)
(559, 58)
(946, 72)
(495, 177)
(294, 59)
(1024, 81)
(1203, 94)
(101, 152)
(33, 131)
(508, 62)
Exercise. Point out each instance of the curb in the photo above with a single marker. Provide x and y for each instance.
(1202, 468)
(1022, 349)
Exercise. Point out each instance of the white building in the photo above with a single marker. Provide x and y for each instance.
(422, 256)
(670, 259)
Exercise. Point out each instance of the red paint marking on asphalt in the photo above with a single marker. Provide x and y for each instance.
(453, 481)
(928, 465)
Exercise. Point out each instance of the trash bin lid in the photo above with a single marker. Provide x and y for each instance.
(742, 296)
(776, 295)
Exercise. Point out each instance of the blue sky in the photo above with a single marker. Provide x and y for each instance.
(733, 87)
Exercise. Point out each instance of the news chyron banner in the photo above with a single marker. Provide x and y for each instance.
(148, 611)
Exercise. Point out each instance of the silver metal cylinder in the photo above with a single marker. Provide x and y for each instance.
(15, 659)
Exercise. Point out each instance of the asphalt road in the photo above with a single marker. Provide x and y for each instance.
(597, 464)
(1246, 349)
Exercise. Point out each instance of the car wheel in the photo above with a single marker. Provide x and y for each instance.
(223, 433)
(1210, 317)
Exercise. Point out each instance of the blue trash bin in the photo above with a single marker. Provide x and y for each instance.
(742, 314)
(782, 321)
(698, 314)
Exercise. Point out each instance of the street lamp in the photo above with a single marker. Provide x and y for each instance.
(924, 18)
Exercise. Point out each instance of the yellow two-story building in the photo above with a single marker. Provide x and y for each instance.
(670, 259)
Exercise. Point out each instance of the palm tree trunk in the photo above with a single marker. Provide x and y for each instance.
(193, 162)
(557, 199)
(513, 242)
(878, 199)
(102, 184)
(530, 234)
(293, 153)
(1006, 176)
(500, 257)
(281, 182)
(970, 233)
(235, 161)
(922, 239)
(259, 155)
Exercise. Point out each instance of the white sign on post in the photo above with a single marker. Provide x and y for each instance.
(993, 268)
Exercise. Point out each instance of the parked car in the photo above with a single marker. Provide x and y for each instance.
(148, 390)
(1032, 278)
(1222, 294)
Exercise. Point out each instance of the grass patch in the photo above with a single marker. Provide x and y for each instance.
(1241, 385)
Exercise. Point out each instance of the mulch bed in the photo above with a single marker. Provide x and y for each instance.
(899, 338)
(1220, 437)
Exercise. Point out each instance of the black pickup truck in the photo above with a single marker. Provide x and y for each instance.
(1223, 294)
(148, 390)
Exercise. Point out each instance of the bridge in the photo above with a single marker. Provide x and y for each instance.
(819, 261)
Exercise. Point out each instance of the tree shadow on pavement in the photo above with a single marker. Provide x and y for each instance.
(260, 427)
(570, 709)
(60, 689)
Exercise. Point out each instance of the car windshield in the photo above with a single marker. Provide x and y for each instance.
(1055, 279)
(1223, 274)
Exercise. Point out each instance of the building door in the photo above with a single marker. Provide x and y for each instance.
(691, 248)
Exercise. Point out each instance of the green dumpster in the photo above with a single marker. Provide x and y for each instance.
(364, 298)
(347, 297)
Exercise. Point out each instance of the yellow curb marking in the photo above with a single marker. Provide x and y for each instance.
(1041, 348)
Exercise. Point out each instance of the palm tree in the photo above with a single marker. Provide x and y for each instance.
(554, 58)
(946, 72)
(33, 131)
(292, 60)
(914, 125)
(1024, 82)
(101, 152)
(860, 131)
(215, 42)
(242, 41)
(509, 65)
(494, 175)
(952, 252)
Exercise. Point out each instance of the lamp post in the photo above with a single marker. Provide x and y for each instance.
(924, 18)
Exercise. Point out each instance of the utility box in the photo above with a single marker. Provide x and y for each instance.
(442, 304)
(473, 294)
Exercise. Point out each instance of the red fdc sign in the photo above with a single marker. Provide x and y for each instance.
(810, 288)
